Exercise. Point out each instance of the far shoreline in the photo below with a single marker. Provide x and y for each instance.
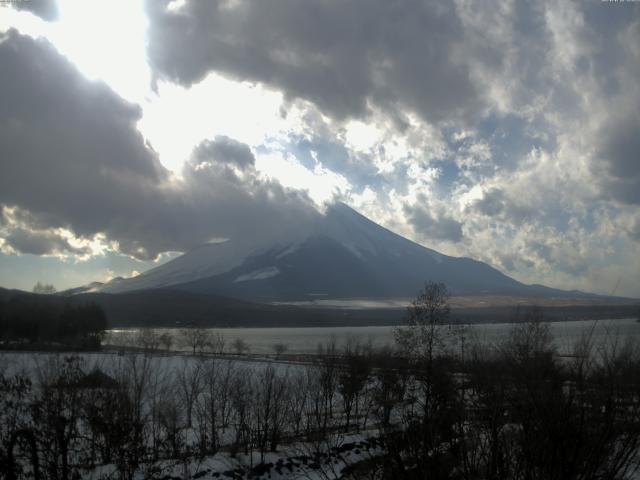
(315, 317)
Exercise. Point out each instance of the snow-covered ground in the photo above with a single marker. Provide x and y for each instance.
(295, 461)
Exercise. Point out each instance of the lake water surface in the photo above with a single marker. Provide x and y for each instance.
(306, 340)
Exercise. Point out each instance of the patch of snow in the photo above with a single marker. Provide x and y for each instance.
(258, 274)
(90, 287)
(204, 261)
(288, 251)
(352, 248)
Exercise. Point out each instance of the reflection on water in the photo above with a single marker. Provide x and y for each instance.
(306, 340)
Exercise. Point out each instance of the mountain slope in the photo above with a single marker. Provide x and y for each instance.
(345, 256)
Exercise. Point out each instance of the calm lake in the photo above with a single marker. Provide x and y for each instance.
(306, 340)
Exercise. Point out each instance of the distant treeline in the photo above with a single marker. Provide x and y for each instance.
(47, 321)
(174, 308)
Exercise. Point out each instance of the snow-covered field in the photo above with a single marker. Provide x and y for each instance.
(166, 379)
(296, 461)
(33, 364)
(193, 405)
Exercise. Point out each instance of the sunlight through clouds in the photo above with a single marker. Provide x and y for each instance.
(175, 119)
(321, 183)
(106, 41)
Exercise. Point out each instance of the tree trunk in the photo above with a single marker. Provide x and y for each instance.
(11, 467)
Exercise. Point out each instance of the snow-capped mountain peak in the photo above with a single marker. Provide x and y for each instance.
(344, 255)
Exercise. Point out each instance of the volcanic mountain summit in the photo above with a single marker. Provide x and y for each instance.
(345, 255)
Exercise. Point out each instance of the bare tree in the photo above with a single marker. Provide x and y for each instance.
(241, 393)
(197, 339)
(166, 340)
(426, 315)
(213, 403)
(297, 399)
(157, 382)
(217, 343)
(147, 339)
(169, 414)
(107, 413)
(390, 385)
(322, 387)
(530, 336)
(423, 340)
(16, 424)
(57, 413)
(269, 409)
(280, 349)
(352, 377)
(189, 381)
(227, 378)
(240, 346)
(327, 363)
(135, 373)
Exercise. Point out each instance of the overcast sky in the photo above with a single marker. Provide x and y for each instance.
(505, 131)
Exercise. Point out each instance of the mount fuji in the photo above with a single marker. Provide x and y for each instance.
(344, 256)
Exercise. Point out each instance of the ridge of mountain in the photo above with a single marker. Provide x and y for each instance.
(345, 255)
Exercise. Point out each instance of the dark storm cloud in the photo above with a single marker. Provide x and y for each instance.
(69, 149)
(234, 203)
(45, 9)
(610, 55)
(430, 227)
(620, 154)
(497, 204)
(225, 150)
(444, 61)
(492, 203)
(71, 157)
(617, 67)
(342, 56)
(40, 243)
(634, 230)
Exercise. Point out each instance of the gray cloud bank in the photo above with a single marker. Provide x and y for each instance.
(430, 227)
(45, 9)
(451, 63)
(41, 243)
(71, 158)
(342, 56)
(620, 153)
